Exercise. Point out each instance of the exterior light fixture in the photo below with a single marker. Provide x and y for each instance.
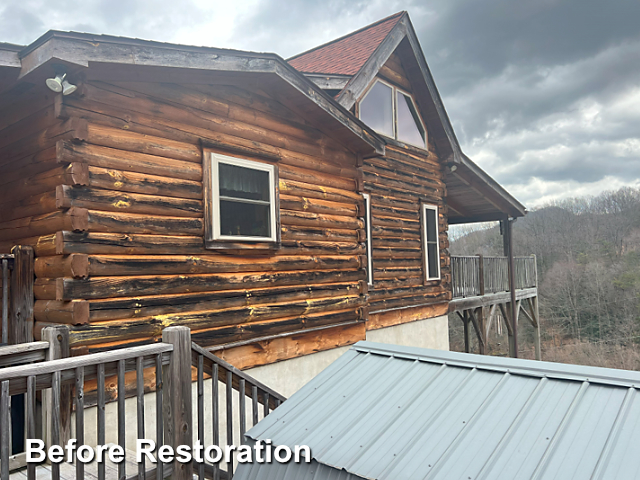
(60, 84)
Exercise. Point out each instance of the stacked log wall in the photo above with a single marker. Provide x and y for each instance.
(120, 245)
(398, 184)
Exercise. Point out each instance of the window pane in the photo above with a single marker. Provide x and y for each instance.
(433, 260)
(376, 109)
(409, 127)
(241, 182)
(432, 225)
(244, 219)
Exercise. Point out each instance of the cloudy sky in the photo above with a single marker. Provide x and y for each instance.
(543, 94)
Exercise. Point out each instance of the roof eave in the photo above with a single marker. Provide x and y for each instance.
(81, 49)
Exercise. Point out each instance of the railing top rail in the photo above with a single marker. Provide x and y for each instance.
(22, 348)
(11, 355)
(198, 350)
(63, 364)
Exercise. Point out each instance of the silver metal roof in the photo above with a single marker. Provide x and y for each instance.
(388, 412)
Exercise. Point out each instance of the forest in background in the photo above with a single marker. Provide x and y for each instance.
(588, 256)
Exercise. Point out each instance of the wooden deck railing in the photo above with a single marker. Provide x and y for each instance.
(171, 362)
(262, 399)
(480, 275)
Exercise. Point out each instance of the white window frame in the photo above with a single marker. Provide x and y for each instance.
(394, 111)
(216, 159)
(367, 225)
(425, 207)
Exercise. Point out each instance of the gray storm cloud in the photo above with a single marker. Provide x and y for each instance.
(543, 94)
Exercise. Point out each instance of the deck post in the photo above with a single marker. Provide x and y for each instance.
(178, 420)
(508, 247)
(480, 310)
(58, 338)
(21, 319)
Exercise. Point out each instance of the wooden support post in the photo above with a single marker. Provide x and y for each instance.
(58, 338)
(467, 339)
(177, 397)
(508, 245)
(21, 318)
(536, 316)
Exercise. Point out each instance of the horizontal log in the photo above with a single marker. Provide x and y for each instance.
(28, 207)
(381, 231)
(294, 315)
(109, 200)
(75, 265)
(82, 265)
(291, 217)
(315, 205)
(73, 174)
(386, 293)
(30, 165)
(293, 232)
(125, 181)
(216, 102)
(384, 221)
(107, 287)
(73, 219)
(137, 307)
(185, 115)
(235, 334)
(413, 301)
(141, 143)
(383, 189)
(268, 350)
(66, 242)
(420, 185)
(73, 129)
(100, 221)
(53, 311)
(68, 152)
(405, 315)
(312, 190)
(309, 174)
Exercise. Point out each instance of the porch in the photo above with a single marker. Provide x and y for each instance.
(485, 292)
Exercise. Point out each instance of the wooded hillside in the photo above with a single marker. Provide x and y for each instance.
(588, 253)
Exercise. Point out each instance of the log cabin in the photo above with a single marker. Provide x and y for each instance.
(280, 209)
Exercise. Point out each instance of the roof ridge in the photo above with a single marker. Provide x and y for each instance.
(335, 40)
(516, 366)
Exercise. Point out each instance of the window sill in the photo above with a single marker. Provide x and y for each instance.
(245, 248)
(406, 146)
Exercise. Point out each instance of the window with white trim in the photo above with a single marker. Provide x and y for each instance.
(243, 203)
(367, 228)
(430, 242)
(392, 112)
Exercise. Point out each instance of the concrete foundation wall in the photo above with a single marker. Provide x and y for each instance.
(289, 376)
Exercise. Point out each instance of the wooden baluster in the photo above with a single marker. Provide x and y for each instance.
(230, 421)
(79, 418)
(5, 301)
(101, 419)
(55, 420)
(122, 466)
(243, 418)
(254, 401)
(215, 413)
(5, 433)
(159, 419)
(30, 407)
(265, 397)
(201, 410)
(142, 471)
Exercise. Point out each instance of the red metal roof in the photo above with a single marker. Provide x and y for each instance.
(345, 55)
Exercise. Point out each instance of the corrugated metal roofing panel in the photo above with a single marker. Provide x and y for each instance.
(386, 412)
